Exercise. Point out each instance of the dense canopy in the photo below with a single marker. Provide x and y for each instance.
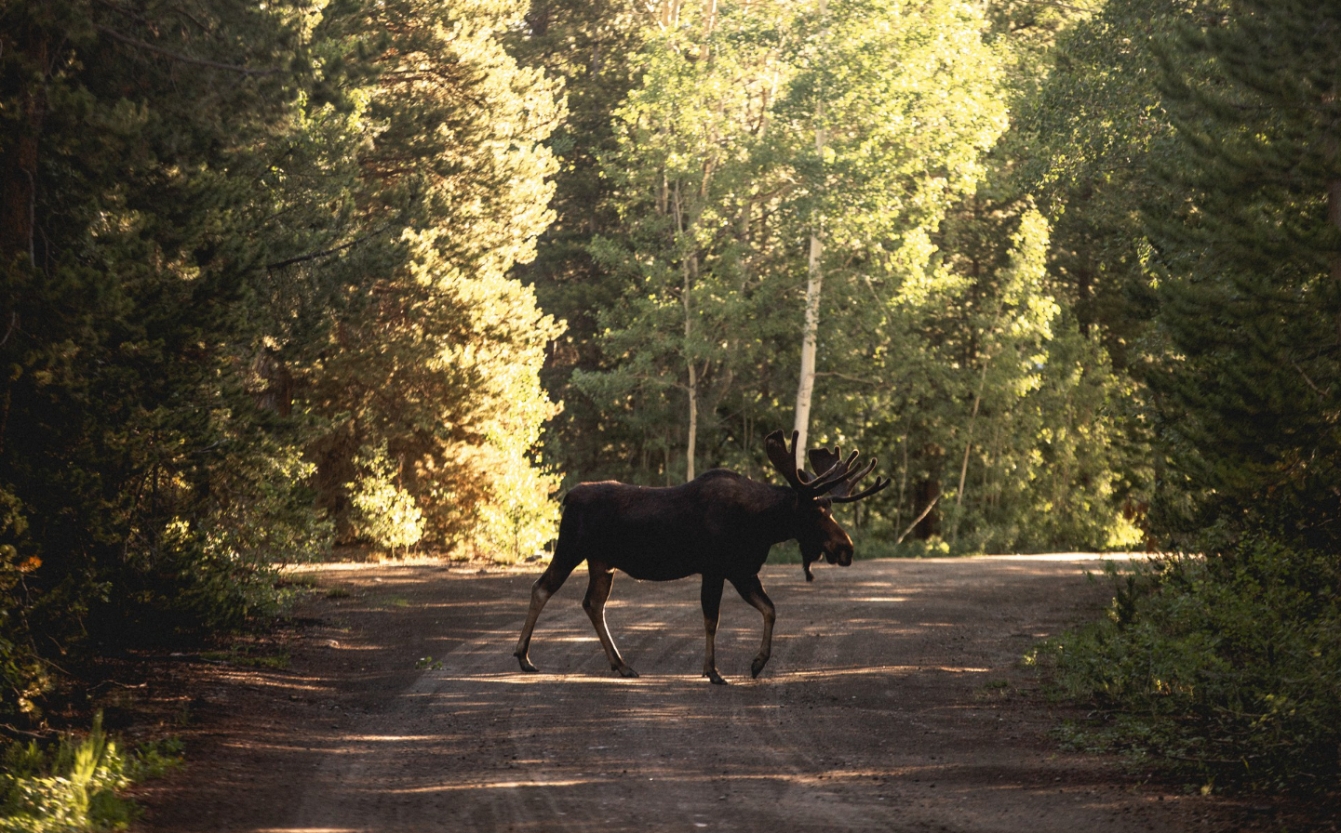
(393, 274)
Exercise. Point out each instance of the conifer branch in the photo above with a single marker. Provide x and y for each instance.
(271, 267)
(177, 56)
(1308, 380)
(13, 322)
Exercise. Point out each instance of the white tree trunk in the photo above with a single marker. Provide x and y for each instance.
(809, 343)
(805, 388)
(690, 449)
(689, 269)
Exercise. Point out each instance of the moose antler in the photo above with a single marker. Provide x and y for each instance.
(880, 483)
(783, 458)
(824, 459)
(836, 476)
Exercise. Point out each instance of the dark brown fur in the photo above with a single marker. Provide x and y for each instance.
(720, 525)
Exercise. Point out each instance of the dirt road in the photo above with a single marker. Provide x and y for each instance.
(894, 702)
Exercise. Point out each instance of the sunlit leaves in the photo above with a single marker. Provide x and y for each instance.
(435, 354)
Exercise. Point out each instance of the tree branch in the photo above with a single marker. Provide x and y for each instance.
(177, 56)
(1065, 6)
(845, 377)
(1292, 361)
(14, 320)
(914, 524)
(271, 267)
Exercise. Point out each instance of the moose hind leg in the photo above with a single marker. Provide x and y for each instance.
(547, 585)
(712, 608)
(753, 592)
(598, 590)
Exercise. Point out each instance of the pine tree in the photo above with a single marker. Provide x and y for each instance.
(433, 353)
(591, 47)
(142, 472)
(1250, 274)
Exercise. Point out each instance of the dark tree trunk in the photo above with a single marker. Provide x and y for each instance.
(18, 166)
(930, 526)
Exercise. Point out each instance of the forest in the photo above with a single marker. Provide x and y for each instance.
(282, 278)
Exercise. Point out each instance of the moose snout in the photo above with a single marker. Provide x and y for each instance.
(839, 551)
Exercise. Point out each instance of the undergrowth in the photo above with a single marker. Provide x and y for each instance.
(1227, 667)
(76, 784)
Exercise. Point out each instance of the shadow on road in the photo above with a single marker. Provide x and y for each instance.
(895, 700)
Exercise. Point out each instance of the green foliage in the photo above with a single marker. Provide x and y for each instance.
(591, 46)
(436, 356)
(1229, 665)
(522, 517)
(1100, 133)
(1200, 231)
(75, 785)
(947, 346)
(384, 512)
(239, 247)
(716, 177)
(1247, 265)
(149, 476)
(1020, 416)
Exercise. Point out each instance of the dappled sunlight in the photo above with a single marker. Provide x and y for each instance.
(522, 678)
(497, 785)
(838, 673)
(874, 675)
(815, 779)
(1067, 556)
(310, 830)
(309, 689)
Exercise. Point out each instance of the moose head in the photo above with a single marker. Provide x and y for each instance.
(817, 532)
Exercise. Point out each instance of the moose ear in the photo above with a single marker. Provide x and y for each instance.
(823, 459)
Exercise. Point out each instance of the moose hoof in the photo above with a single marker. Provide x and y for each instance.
(758, 665)
(714, 677)
(627, 672)
(526, 665)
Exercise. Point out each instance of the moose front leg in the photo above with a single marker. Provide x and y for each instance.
(753, 592)
(598, 590)
(712, 608)
(547, 585)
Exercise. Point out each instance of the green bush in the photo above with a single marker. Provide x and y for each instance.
(385, 513)
(1229, 665)
(75, 785)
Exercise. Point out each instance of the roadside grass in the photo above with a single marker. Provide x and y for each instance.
(76, 784)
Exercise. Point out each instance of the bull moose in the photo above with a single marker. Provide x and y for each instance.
(720, 525)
